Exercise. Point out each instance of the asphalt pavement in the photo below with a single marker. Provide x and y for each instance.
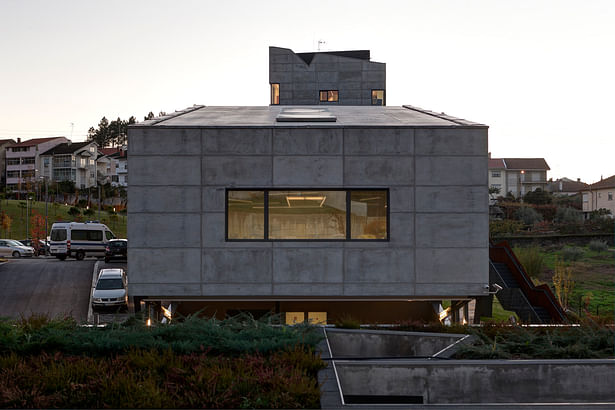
(45, 286)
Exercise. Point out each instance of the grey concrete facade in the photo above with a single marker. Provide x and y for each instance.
(435, 169)
(302, 75)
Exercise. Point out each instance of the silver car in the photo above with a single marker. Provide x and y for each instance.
(110, 290)
(16, 249)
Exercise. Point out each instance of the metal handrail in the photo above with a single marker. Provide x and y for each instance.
(522, 293)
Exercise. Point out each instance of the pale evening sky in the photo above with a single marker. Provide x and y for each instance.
(540, 73)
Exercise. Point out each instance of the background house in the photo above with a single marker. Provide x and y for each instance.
(325, 78)
(74, 162)
(517, 175)
(566, 186)
(3, 146)
(600, 195)
(23, 161)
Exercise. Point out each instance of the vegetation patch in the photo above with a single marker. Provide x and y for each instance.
(235, 363)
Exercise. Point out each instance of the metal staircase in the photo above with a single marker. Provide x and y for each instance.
(533, 304)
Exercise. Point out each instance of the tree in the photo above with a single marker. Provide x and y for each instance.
(493, 191)
(5, 222)
(74, 212)
(538, 197)
(37, 230)
(527, 215)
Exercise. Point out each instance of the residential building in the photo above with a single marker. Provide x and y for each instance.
(566, 186)
(74, 162)
(23, 161)
(325, 78)
(106, 165)
(316, 212)
(518, 175)
(120, 159)
(600, 195)
(3, 146)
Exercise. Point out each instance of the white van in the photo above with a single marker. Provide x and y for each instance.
(79, 239)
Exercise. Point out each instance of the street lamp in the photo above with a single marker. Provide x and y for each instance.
(46, 196)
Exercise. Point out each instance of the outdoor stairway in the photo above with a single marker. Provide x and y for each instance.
(533, 304)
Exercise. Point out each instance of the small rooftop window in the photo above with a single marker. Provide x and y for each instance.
(305, 115)
(329, 96)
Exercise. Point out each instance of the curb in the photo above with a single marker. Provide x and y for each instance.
(94, 277)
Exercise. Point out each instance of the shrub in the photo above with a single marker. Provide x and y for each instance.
(74, 211)
(532, 259)
(505, 226)
(347, 322)
(563, 283)
(568, 216)
(572, 253)
(598, 246)
(527, 215)
(88, 212)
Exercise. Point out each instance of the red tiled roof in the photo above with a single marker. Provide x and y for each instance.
(605, 183)
(496, 163)
(108, 151)
(32, 142)
(2, 142)
(572, 186)
(526, 163)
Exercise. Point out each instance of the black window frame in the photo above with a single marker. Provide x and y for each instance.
(348, 213)
(327, 100)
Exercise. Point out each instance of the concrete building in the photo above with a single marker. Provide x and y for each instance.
(68, 161)
(325, 78)
(23, 161)
(600, 195)
(315, 212)
(518, 175)
(3, 146)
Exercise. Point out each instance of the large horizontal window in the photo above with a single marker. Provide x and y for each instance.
(307, 214)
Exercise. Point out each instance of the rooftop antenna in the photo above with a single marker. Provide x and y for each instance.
(323, 42)
(72, 126)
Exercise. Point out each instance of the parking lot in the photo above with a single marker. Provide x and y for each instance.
(95, 317)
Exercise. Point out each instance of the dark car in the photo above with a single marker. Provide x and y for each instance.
(116, 249)
(41, 249)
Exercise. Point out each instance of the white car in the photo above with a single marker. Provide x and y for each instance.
(110, 290)
(16, 249)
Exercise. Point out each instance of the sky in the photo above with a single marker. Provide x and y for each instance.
(539, 73)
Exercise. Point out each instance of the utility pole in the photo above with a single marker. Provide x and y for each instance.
(99, 203)
(46, 228)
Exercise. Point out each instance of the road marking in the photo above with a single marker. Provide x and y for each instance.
(94, 277)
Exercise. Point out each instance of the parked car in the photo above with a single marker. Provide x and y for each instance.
(110, 290)
(16, 249)
(116, 249)
(42, 249)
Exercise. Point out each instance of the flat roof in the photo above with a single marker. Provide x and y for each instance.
(200, 116)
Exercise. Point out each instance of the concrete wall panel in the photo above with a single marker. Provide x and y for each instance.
(164, 141)
(438, 171)
(213, 199)
(169, 265)
(308, 265)
(237, 170)
(307, 171)
(451, 141)
(303, 289)
(237, 265)
(178, 290)
(165, 170)
(461, 265)
(402, 199)
(452, 230)
(387, 290)
(379, 171)
(237, 141)
(379, 265)
(165, 199)
(236, 289)
(164, 230)
(301, 141)
(452, 199)
(384, 141)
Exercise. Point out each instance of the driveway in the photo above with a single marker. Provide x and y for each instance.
(47, 286)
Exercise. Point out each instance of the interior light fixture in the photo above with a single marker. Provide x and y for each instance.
(322, 199)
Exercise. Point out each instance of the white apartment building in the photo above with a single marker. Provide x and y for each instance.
(23, 161)
(518, 175)
(71, 162)
(600, 195)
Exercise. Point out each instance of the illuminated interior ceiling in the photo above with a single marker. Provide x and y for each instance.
(305, 115)
(319, 200)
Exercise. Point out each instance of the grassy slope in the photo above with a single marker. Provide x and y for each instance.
(593, 273)
(56, 212)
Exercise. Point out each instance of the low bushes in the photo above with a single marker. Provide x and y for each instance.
(235, 363)
(154, 379)
(532, 259)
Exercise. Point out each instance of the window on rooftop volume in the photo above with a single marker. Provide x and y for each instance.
(329, 96)
(377, 97)
(275, 94)
(307, 214)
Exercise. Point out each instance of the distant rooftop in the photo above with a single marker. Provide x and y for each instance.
(66, 148)
(604, 183)
(345, 116)
(33, 142)
(519, 163)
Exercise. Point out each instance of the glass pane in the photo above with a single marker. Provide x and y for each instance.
(323, 96)
(333, 96)
(368, 214)
(246, 215)
(377, 97)
(307, 215)
(275, 94)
